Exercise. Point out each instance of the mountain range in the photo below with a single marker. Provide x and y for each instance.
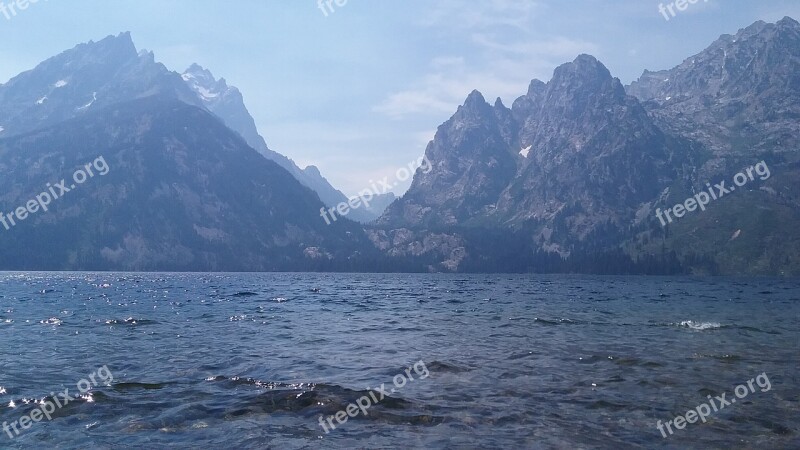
(569, 178)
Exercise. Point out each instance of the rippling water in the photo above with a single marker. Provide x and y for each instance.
(253, 360)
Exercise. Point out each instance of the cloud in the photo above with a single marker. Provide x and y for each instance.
(499, 54)
(499, 69)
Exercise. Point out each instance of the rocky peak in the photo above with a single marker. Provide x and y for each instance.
(584, 78)
(207, 87)
(475, 106)
(116, 47)
(87, 77)
(526, 105)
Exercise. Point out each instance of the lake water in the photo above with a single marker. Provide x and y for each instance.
(254, 360)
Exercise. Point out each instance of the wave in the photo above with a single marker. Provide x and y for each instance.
(701, 326)
(558, 321)
(130, 321)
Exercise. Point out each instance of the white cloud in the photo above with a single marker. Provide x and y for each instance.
(503, 69)
(501, 53)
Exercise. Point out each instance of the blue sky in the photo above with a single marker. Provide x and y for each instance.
(360, 92)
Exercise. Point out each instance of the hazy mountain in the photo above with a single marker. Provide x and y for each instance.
(94, 75)
(84, 79)
(183, 192)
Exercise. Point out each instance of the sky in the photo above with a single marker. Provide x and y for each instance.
(358, 90)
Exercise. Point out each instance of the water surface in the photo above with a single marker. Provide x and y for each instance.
(253, 360)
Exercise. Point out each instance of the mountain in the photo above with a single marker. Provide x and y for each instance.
(579, 166)
(95, 75)
(577, 144)
(738, 101)
(741, 94)
(182, 191)
(228, 104)
(572, 177)
(84, 79)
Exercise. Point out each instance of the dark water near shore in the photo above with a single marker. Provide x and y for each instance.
(252, 360)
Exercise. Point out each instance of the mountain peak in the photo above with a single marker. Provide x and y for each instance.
(474, 98)
(121, 44)
(313, 171)
(200, 74)
(203, 82)
(787, 23)
(584, 65)
(197, 68)
(536, 87)
(585, 75)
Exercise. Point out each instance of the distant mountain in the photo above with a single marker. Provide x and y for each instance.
(98, 74)
(183, 191)
(379, 203)
(228, 104)
(577, 167)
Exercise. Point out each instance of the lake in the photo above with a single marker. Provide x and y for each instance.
(444, 361)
